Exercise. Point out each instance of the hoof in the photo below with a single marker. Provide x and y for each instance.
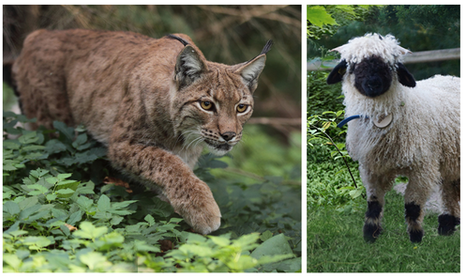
(416, 236)
(447, 224)
(371, 232)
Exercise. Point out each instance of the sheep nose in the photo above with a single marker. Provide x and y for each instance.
(228, 136)
(373, 84)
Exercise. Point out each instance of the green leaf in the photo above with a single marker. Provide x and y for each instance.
(13, 261)
(11, 207)
(274, 246)
(89, 231)
(266, 235)
(54, 146)
(36, 242)
(11, 144)
(94, 260)
(33, 148)
(65, 193)
(28, 137)
(318, 16)
(149, 218)
(103, 203)
(68, 184)
(81, 139)
(40, 189)
(110, 240)
(63, 176)
(15, 233)
(38, 173)
(115, 220)
(243, 263)
(142, 246)
(65, 130)
(51, 197)
(84, 203)
(222, 241)
(197, 250)
(28, 211)
(248, 241)
(75, 217)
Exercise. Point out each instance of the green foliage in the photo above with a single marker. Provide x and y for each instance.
(330, 170)
(56, 219)
(270, 158)
(417, 27)
(322, 96)
(326, 20)
(9, 97)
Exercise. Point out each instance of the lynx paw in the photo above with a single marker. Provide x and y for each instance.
(205, 218)
(202, 214)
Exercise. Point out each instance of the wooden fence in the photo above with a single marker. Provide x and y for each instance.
(415, 57)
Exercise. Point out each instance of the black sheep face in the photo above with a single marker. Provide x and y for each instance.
(373, 77)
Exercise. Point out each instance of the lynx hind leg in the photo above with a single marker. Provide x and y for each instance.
(451, 198)
(46, 107)
(40, 82)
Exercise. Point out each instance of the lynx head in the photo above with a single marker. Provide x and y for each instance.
(213, 101)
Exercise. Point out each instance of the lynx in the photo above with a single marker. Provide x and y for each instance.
(155, 103)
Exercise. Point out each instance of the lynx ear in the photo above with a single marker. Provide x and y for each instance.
(252, 69)
(189, 67)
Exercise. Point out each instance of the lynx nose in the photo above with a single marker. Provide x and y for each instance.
(228, 136)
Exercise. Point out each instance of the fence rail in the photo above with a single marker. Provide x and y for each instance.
(415, 57)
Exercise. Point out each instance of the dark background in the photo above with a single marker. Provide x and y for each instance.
(225, 34)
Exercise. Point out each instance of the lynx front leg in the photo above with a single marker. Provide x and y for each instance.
(189, 196)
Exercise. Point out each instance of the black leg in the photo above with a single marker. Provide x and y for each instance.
(412, 215)
(372, 227)
(447, 224)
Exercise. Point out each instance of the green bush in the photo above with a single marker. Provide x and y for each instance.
(58, 216)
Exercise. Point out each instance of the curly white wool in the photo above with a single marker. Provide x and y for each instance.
(421, 142)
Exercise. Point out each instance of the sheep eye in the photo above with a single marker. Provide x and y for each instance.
(241, 108)
(206, 105)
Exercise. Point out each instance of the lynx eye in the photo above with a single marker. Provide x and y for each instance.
(206, 105)
(241, 108)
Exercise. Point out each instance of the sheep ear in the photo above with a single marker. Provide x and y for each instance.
(337, 73)
(189, 67)
(405, 77)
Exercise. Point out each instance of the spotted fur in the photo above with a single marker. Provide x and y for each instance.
(154, 102)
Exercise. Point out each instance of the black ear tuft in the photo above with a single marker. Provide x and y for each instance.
(337, 73)
(184, 42)
(405, 77)
(267, 47)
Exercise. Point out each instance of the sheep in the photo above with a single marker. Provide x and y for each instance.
(400, 127)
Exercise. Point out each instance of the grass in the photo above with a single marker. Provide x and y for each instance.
(335, 242)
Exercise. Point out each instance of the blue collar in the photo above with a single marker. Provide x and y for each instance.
(344, 122)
